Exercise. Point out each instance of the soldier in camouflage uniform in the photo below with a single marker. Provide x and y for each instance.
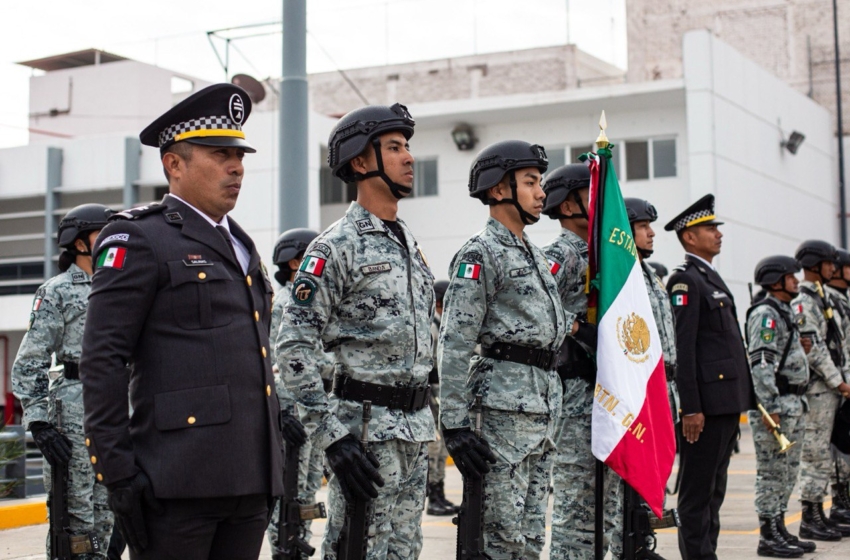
(780, 376)
(437, 452)
(825, 387)
(502, 295)
(837, 289)
(573, 476)
(364, 294)
(641, 215)
(55, 333)
(287, 255)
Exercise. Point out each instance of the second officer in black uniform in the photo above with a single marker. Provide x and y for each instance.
(713, 378)
(180, 295)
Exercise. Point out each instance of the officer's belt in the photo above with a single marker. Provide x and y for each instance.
(579, 369)
(71, 370)
(791, 389)
(670, 371)
(538, 357)
(328, 384)
(406, 399)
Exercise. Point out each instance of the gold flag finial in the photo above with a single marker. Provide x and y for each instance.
(602, 140)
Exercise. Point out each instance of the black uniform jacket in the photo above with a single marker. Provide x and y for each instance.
(170, 300)
(713, 374)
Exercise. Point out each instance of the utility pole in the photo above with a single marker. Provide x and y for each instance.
(842, 197)
(294, 138)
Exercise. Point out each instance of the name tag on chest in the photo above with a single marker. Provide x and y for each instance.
(376, 268)
(519, 272)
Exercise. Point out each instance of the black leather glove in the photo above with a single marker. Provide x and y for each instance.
(470, 452)
(355, 469)
(586, 334)
(292, 430)
(128, 500)
(54, 446)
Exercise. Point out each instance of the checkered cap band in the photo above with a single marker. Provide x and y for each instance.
(204, 123)
(700, 215)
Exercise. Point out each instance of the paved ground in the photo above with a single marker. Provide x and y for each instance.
(738, 538)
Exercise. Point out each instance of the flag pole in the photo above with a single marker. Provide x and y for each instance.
(599, 514)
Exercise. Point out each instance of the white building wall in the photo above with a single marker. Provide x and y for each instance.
(770, 199)
(117, 96)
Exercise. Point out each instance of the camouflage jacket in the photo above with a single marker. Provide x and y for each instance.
(842, 307)
(767, 337)
(807, 311)
(287, 401)
(567, 256)
(55, 329)
(367, 301)
(500, 290)
(663, 313)
(568, 261)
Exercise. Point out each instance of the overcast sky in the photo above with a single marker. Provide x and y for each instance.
(341, 34)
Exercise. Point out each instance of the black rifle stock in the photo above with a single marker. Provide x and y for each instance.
(639, 528)
(352, 541)
(290, 527)
(470, 519)
(64, 545)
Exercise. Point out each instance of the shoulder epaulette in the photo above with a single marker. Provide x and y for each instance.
(136, 213)
(682, 267)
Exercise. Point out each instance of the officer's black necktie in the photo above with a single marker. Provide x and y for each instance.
(226, 235)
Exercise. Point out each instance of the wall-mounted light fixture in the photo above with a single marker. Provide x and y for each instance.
(792, 144)
(464, 137)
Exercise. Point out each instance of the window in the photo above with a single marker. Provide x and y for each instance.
(21, 278)
(425, 177)
(664, 158)
(650, 158)
(637, 160)
(331, 188)
(556, 158)
(576, 151)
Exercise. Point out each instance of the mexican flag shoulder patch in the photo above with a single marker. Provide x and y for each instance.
(768, 323)
(114, 257)
(313, 265)
(679, 300)
(554, 266)
(469, 270)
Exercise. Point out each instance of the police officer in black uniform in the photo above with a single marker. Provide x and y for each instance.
(713, 376)
(180, 295)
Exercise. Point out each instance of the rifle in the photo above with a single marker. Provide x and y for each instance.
(64, 545)
(470, 519)
(290, 526)
(353, 536)
(833, 333)
(639, 528)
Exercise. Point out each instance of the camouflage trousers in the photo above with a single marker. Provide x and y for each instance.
(395, 524)
(574, 484)
(516, 490)
(776, 473)
(310, 460)
(816, 466)
(437, 452)
(87, 506)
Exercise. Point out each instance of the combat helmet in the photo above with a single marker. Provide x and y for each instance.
(773, 269)
(558, 186)
(358, 129)
(496, 161)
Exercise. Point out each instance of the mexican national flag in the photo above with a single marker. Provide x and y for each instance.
(632, 430)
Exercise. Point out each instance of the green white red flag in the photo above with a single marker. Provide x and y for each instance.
(632, 429)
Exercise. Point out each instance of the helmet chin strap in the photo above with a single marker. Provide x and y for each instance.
(527, 219)
(399, 191)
